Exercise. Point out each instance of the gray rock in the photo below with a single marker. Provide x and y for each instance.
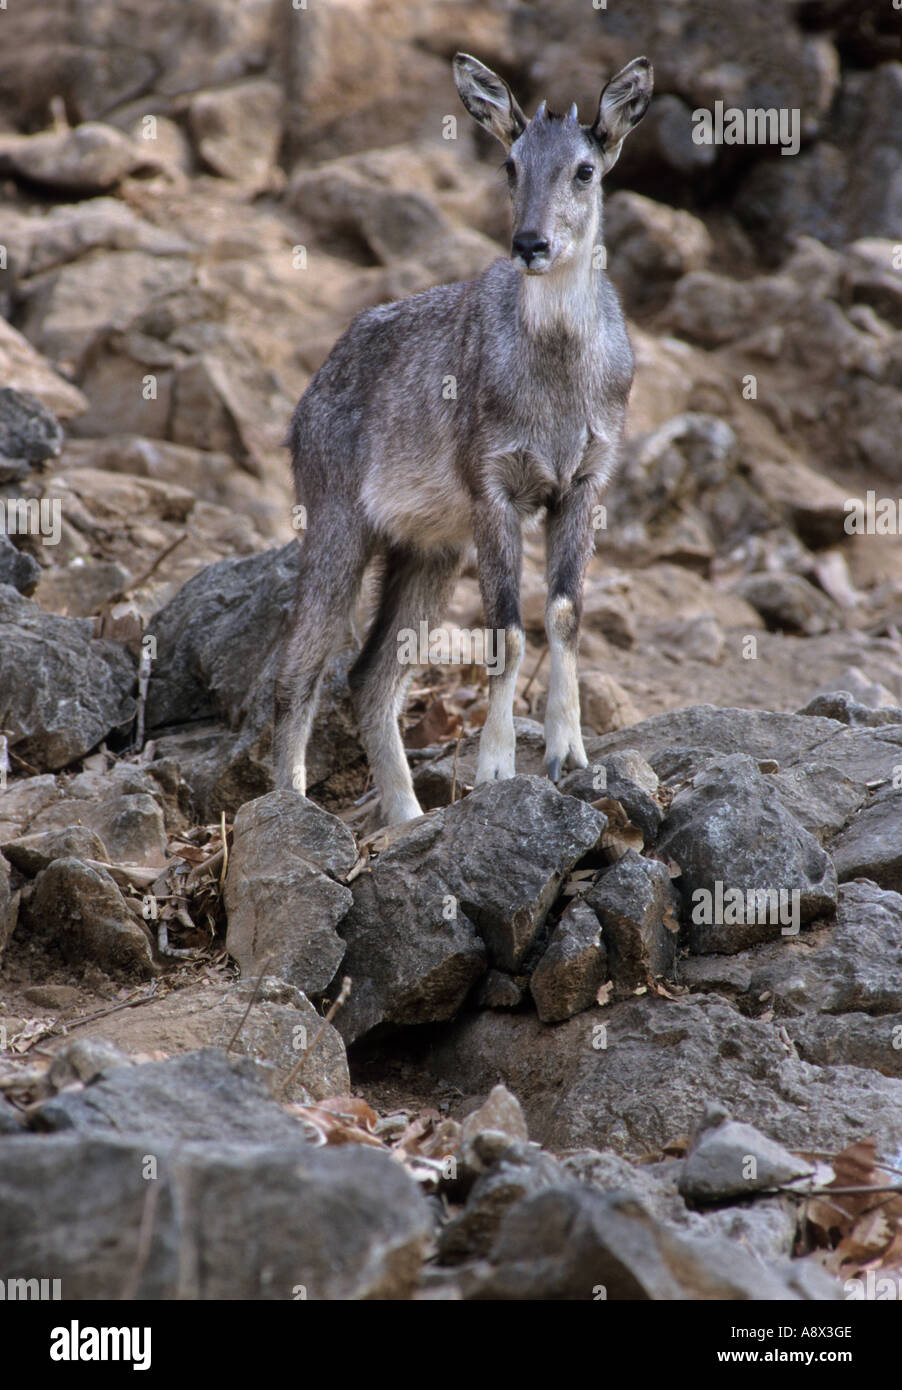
(131, 825)
(9, 906)
(29, 432)
(842, 706)
(84, 1059)
(412, 951)
(11, 1121)
(864, 1040)
(861, 688)
(499, 1116)
(280, 1027)
(728, 1159)
(574, 965)
(32, 853)
(282, 897)
(17, 567)
(276, 1026)
(92, 158)
(205, 1095)
(634, 1076)
(874, 190)
(871, 845)
(766, 1227)
(520, 1172)
(63, 689)
(433, 780)
(787, 602)
(237, 130)
(490, 866)
(571, 1242)
(627, 778)
(496, 990)
(634, 901)
(22, 800)
(679, 743)
(80, 912)
(729, 827)
(852, 966)
(822, 799)
(218, 647)
(275, 1219)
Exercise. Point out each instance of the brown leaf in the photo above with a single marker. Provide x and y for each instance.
(438, 725)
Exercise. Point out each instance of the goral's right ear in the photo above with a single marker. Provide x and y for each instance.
(488, 99)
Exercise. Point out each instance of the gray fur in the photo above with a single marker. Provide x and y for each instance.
(390, 462)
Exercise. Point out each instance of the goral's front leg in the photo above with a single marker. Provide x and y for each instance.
(496, 527)
(563, 736)
(569, 540)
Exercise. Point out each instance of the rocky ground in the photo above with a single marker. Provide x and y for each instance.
(549, 1074)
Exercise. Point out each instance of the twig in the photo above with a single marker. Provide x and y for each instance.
(250, 1003)
(206, 866)
(149, 572)
(454, 769)
(145, 1239)
(343, 995)
(535, 671)
(840, 1191)
(65, 1028)
(145, 1230)
(224, 851)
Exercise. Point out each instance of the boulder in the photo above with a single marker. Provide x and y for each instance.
(485, 870)
(728, 1160)
(29, 433)
(63, 690)
(267, 1218)
(284, 894)
(573, 967)
(79, 912)
(92, 158)
(871, 845)
(224, 624)
(635, 1076)
(733, 838)
(206, 1095)
(637, 907)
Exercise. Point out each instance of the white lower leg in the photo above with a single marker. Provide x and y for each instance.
(563, 736)
(391, 774)
(498, 743)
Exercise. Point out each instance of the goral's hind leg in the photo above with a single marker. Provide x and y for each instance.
(333, 558)
(415, 588)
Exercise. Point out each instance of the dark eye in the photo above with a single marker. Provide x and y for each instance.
(510, 169)
(584, 173)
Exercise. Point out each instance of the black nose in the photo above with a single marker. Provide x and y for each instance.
(528, 245)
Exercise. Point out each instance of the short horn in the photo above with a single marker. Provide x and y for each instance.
(542, 112)
(573, 114)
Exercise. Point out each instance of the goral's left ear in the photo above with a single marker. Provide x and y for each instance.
(623, 103)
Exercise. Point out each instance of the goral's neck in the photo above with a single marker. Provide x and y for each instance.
(563, 302)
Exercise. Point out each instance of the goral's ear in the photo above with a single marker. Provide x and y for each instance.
(488, 99)
(623, 103)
